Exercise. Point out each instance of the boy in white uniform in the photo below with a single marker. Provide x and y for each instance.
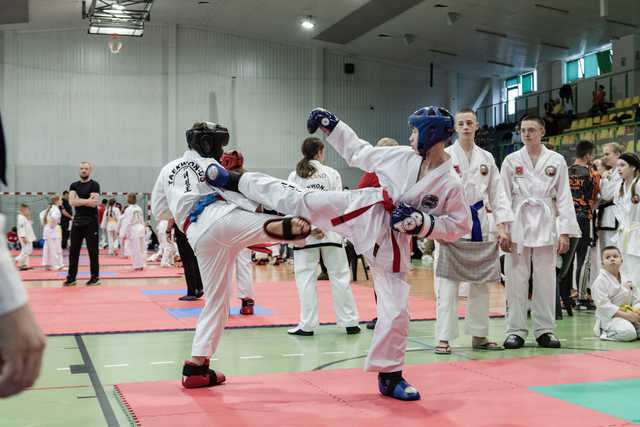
(217, 230)
(318, 176)
(26, 236)
(420, 176)
(533, 177)
(610, 291)
(484, 192)
(132, 230)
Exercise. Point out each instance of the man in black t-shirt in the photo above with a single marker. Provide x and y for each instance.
(83, 195)
(67, 215)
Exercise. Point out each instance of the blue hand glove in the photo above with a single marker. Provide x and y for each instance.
(321, 117)
(407, 219)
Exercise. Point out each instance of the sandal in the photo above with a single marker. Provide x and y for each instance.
(488, 346)
(442, 349)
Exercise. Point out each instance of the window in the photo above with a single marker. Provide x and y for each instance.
(519, 85)
(591, 65)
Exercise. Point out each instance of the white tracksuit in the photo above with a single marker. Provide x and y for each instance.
(132, 229)
(609, 294)
(12, 292)
(110, 226)
(439, 193)
(306, 260)
(25, 231)
(534, 235)
(628, 214)
(52, 235)
(244, 274)
(217, 237)
(481, 181)
(163, 243)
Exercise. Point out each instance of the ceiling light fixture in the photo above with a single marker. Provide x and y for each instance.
(308, 23)
(122, 17)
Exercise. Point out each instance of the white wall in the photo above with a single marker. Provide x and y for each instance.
(66, 99)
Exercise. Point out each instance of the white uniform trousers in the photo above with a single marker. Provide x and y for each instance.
(387, 351)
(305, 263)
(477, 311)
(619, 329)
(137, 251)
(244, 274)
(631, 268)
(52, 253)
(112, 240)
(25, 252)
(162, 245)
(216, 251)
(169, 255)
(543, 299)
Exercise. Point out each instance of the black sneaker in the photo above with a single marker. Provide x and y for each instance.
(372, 323)
(296, 331)
(188, 298)
(94, 281)
(352, 330)
(69, 282)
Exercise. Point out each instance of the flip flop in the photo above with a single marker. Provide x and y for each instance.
(442, 349)
(488, 346)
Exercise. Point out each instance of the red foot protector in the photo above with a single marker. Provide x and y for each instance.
(453, 394)
(196, 376)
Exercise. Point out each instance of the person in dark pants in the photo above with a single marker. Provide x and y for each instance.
(67, 215)
(189, 264)
(83, 195)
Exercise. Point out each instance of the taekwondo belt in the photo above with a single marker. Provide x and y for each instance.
(387, 203)
(476, 229)
(625, 233)
(198, 208)
(522, 230)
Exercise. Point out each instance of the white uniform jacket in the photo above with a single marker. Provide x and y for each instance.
(628, 214)
(110, 218)
(531, 192)
(12, 292)
(51, 230)
(181, 184)
(439, 193)
(608, 295)
(609, 187)
(482, 183)
(132, 225)
(25, 229)
(324, 178)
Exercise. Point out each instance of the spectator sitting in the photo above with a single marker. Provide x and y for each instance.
(599, 106)
(617, 301)
(12, 239)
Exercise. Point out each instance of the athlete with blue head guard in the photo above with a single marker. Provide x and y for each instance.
(420, 195)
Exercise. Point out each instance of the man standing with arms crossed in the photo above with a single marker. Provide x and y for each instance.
(533, 177)
(83, 195)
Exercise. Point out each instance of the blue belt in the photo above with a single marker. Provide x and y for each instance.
(198, 208)
(476, 229)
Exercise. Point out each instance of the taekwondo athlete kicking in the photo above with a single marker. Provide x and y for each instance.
(218, 224)
(429, 203)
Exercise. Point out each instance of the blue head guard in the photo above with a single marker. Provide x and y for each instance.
(434, 124)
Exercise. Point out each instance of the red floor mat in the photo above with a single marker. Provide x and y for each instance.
(106, 260)
(453, 394)
(38, 252)
(125, 308)
(113, 272)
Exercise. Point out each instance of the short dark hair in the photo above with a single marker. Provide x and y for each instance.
(532, 118)
(583, 148)
(65, 192)
(600, 86)
(104, 201)
(610, 248)
(467, 110)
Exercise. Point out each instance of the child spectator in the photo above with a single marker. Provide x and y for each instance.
(132, 229)
(617, 300)
(12, 239)
(26, 236)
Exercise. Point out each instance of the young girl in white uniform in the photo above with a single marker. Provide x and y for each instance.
(52, 235)
(429, 203)
(627, 202)
(132, 230)
(109, 224)
(312, 174)
(26, 236)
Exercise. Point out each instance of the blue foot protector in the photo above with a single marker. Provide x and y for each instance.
(393, 385)
(216, 175)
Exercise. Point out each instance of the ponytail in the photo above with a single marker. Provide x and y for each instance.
(311, 146)
(53, 201)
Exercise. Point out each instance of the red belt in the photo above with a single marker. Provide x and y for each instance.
(387, 203)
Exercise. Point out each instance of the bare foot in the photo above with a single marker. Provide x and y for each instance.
(298, 227)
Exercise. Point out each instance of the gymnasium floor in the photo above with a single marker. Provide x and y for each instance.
(76, 386)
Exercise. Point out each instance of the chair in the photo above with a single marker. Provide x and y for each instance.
(581, 124)
(618, 104)
(635, 100)
(626, 103)
(630, 146)
(588, 123)
(574, 124)
(596, 120)
(630, 118)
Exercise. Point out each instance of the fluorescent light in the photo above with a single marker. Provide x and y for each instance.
(121, 31)
(308, 23)
(117, 6)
